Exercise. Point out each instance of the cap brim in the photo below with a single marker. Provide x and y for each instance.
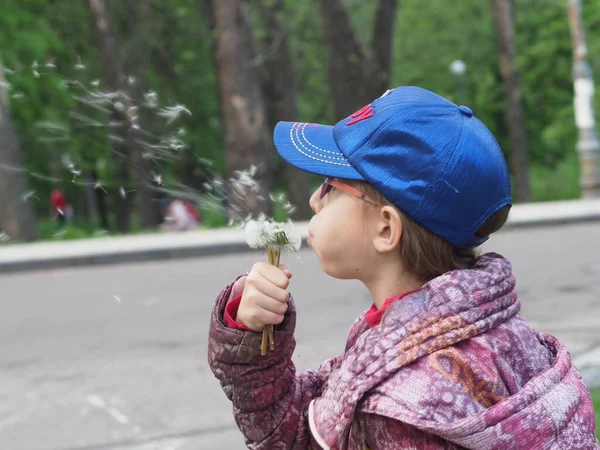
(311, 147)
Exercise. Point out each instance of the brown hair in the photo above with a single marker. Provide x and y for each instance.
(426, 255)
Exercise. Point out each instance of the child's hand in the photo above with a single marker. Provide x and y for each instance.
(265, 297)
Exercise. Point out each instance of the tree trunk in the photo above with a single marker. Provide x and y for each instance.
(17, 218)
(503, 16)
(357, 76)
(378, 73)
(247, 140)
(346, 59)
(280, 96)
(100, 202)
(128, 148)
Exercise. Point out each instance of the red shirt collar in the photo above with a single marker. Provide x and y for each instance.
(374, 315)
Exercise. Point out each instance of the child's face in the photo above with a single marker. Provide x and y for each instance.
(339, 236)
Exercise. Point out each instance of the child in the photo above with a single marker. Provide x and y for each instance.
(61, 209)
(180, 215)
(442, 360)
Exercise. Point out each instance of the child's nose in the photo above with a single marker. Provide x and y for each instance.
(315, 202)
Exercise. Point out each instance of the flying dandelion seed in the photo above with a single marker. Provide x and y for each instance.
(122, 192)
(4, 237)
(95, 83)
(73, 171)
(151, 99)
(157, 178)
(6, 85)
(18, 95)
(98, 185)
(151, 301)
(79, 65)
(204, 161)
(28, 195)
(172, 113)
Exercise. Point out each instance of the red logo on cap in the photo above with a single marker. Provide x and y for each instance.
(364, 113)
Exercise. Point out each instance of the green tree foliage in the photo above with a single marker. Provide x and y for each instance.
(176, 38)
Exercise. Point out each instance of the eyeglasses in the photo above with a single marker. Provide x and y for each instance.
(331, 183)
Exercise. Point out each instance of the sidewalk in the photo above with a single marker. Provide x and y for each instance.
(111, 250)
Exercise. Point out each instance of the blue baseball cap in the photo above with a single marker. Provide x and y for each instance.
(432, 159)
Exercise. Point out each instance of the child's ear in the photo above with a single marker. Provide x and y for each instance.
(389, 230)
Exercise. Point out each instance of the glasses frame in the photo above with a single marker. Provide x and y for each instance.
(330, 183)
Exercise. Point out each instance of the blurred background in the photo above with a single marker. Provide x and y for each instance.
(131, 118)
(110, 110)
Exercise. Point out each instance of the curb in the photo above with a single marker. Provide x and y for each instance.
(202, 243)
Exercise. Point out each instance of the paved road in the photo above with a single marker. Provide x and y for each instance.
(113, 357)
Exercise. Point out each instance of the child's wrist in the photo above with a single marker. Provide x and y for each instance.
(230, 315)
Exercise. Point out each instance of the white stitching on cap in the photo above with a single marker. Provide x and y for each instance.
(313, 145)
(300, 141)
(293, 128)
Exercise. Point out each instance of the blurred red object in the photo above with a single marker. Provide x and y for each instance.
(58, 201)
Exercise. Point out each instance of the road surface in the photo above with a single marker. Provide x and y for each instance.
(114, 357)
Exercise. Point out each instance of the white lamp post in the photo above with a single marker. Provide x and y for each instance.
(588, 146)
(459, 68)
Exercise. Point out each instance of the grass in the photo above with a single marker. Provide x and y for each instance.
(556, 183)
(596, 399)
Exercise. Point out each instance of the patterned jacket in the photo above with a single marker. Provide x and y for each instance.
(450, 366)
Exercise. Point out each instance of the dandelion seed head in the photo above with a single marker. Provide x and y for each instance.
(268, 233)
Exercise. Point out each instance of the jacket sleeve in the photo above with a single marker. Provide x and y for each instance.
(270, 400)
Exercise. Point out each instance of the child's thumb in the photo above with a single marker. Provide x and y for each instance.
(286, 271)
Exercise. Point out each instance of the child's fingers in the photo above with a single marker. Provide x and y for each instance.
(274, 274)
(273, 306)
(285, 270)
(270, 318)
(270, 290)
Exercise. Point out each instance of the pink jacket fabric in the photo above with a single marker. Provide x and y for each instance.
(451, 366)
